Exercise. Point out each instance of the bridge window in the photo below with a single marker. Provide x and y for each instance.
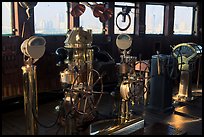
(183, 20)
(7, 18)
(124, 18)
(51, 18)
(88, 21)
(154, 19)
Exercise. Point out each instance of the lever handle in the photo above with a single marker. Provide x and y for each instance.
(158, 64)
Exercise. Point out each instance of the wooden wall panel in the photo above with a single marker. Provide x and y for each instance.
(12, 61)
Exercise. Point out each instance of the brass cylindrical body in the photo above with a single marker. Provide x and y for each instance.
(30, 98)
(80, 67)
(124, 68)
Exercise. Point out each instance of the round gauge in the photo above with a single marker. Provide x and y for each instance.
(184, 49)
(34, 47)
(123, 41)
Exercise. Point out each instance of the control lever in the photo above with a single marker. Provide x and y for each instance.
(158, 64)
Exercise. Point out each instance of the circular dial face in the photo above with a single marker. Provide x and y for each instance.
(123, 37)
(184, 51)
(34, 47)
(123, 41)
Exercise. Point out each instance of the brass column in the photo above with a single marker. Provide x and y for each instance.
(30, 98)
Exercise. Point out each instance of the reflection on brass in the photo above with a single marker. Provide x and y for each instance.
(30, 98)
(186, 54)
(33, 48)
(115, 127)
(79, 39)
(179, 121)
(145, 96)
(80, 75)
(124, 68)
(66, 77)
(185, 89)
(131, 83)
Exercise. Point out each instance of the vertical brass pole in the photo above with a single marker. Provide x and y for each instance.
(30, 98)
(126, 111)
(198, 76)
(122, 109)
(89, 60)
(69, 119)
(145, 89)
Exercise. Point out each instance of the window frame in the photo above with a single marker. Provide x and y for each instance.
(135, 20)
(58, 34)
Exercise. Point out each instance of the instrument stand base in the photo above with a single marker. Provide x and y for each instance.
(114, 127)
(183, 98)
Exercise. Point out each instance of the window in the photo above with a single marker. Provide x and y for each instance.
(88, 21)
(124, 4)
(50, 18)
(124, 18)
(6, 18)
(154, 19)
(183, 19)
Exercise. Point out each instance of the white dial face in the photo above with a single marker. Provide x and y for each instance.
(123, 41)
(34, 47)
(123, 37)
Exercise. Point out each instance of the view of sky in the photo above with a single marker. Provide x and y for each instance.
(88, 21)
(183, 20)
(51, 18)
(6, 18)
(154, 19)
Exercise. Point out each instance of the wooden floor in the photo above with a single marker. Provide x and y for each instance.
(186, 118)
